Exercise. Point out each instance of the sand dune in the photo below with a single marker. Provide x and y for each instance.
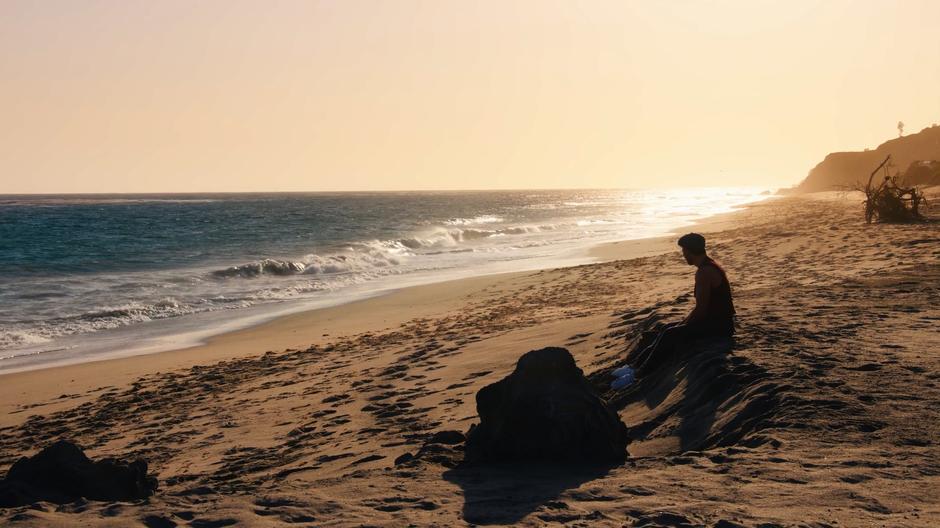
(823, 413)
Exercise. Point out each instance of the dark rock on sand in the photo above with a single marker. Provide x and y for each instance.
(61, 473)
(545, 410)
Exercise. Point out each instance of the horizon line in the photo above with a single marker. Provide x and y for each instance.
(389, 191)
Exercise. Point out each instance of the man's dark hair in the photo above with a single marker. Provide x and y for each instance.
(694, 242)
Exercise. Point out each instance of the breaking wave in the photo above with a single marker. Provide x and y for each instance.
(262, 267)
(358, 257)
(442, 237)
(99, 318)
(366, 256)
(11, 338)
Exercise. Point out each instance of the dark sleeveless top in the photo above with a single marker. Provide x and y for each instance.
(719, 315)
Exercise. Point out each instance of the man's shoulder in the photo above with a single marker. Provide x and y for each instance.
(708, 274)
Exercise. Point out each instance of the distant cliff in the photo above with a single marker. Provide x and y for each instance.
(842, 170)
(922, 173)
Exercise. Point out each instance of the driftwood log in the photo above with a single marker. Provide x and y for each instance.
(889, 201)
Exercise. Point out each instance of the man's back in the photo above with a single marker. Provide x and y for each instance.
(712, 288)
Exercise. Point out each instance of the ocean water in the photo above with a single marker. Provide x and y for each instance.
(92, 275)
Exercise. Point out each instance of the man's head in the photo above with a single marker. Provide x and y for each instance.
(693, 247)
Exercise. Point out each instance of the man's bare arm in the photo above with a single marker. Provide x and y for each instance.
(704, 281)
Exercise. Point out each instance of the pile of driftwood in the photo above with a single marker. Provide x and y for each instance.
(889, 201)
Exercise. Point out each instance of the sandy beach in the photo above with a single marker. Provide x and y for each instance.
(823, 414)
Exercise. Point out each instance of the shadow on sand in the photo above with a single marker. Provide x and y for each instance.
(690, 390)
(504, 494)
(703, 398)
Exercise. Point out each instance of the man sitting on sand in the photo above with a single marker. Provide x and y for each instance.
(713, 315)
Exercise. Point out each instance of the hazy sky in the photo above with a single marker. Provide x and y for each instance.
(161, 96)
